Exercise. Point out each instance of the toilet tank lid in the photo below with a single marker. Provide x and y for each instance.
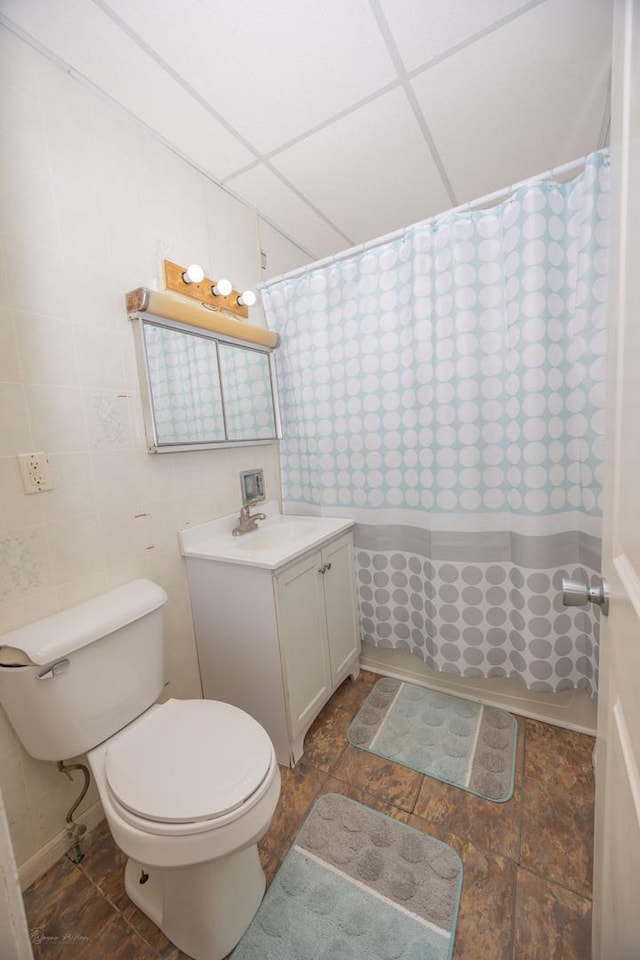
(62, 633)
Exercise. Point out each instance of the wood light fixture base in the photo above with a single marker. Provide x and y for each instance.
(202, 292)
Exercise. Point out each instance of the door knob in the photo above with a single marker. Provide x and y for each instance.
(578, 594)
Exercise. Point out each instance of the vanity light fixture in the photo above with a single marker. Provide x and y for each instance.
(142, 301)
(222, 288)
(194, 274)
(216, 295)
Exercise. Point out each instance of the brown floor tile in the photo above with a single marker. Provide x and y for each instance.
(64, 911)
(104, 864)
(557, 834)
(558, 756)
(326, 738)
(492, 826)
(82, 912)
(146, 929)
(117, 941)
(333, 785)
(172, 953)
(485, 922)
(382, 778)
(300, 787)
(270, 863)
(351, 693)
(551, 923)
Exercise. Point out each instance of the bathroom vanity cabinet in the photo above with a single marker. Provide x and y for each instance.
(277, 642)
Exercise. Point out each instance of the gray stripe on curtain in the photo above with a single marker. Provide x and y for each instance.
(552, 550)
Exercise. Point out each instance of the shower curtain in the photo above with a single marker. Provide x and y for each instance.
(445, 389)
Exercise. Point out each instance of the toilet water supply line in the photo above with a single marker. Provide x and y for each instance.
(75, 830)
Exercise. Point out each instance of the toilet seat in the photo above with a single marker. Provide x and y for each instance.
(187, 763)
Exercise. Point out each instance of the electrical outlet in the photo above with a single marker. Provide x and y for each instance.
(35, 471)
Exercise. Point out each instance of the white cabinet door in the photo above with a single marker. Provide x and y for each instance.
(303, 641)
(340, 607)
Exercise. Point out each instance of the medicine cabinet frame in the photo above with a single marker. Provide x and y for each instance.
(155, 444)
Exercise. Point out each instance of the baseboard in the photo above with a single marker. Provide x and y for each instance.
(571, 709)
(33, 868)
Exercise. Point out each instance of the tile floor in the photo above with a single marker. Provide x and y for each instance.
(527, 863)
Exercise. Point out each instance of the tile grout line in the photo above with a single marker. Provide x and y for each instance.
(556, 883)
(118, 913)
(514, 890)
(514, 915)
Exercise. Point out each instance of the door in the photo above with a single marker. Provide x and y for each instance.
(303, 641)
(616, 932)
(340, 605)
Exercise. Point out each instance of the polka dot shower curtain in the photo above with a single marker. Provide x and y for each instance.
(446, 389)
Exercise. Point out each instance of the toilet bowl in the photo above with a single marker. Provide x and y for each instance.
(188, 790)
(188, 787)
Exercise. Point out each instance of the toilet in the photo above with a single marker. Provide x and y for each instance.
(188, 787)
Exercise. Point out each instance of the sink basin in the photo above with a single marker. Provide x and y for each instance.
(278, 539)
(275, 534)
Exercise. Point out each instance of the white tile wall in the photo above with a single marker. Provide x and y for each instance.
(112, 59)
(282, 256)
(98, 203)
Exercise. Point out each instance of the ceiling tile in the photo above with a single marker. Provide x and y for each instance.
(424, 29)
(273, 70)
(370, 172)
(528, 97)
(285, 210)
(118, 66)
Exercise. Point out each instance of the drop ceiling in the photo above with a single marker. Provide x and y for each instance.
(340, 120)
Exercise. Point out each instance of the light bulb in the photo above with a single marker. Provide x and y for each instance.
(247, 298)
(193, 274)
(222, 288)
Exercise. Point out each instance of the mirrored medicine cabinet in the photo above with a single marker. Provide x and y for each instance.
(202, 390)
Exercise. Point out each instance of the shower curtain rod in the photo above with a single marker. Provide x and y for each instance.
(489, 198)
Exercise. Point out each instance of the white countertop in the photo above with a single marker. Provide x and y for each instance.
(278, 540)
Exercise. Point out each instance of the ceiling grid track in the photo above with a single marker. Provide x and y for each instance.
(192, 92)
(396, 59)
(474, 38)
(302, 201)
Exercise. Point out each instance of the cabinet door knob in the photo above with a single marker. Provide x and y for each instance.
(324, 568)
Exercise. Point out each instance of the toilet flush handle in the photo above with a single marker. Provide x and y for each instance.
(60, 666)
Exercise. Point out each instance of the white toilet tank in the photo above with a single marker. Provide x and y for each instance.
(72, 680)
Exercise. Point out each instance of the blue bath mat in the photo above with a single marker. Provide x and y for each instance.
(458, 741)
(358, 885)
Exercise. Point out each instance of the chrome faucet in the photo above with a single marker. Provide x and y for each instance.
(247, 521)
